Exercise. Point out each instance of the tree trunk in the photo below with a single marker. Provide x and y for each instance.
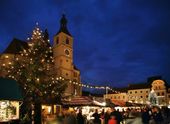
(37, 112)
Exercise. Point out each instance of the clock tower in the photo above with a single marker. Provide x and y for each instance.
(63, 58)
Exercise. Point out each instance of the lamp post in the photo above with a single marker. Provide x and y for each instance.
(106, 92)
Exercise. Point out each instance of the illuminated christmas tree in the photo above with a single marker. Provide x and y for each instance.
(33, 69)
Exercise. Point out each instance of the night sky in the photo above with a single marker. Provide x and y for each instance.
(116, 42)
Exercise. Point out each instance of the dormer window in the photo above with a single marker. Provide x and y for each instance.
(67, 41)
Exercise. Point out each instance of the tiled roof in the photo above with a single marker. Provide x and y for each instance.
(16, 46)
(78, 101)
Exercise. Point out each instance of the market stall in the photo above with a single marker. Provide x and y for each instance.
(88, 105)
(10, 100)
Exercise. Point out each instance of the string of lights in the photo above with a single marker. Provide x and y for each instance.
(88, 86)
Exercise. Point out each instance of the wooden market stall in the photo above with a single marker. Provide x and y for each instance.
(10, 99)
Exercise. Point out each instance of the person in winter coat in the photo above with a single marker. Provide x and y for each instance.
(145, 116)
(80, 118)
(112, 120)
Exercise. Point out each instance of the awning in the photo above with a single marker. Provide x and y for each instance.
(9, 90)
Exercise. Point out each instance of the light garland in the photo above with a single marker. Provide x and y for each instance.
(88, 86)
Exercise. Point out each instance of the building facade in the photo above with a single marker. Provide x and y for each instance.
(139, 93)
(62, 53)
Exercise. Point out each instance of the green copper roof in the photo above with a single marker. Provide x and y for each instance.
(9, 90)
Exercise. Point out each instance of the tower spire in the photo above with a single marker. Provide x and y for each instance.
(63, 25)
(63, 22)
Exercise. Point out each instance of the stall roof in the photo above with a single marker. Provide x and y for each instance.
(9, 90)
(78, 101)
(87, 101)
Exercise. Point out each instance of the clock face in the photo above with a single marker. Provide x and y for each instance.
(67, 52)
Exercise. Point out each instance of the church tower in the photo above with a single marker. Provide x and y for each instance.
(63, 58)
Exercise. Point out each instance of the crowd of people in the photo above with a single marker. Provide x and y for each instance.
(153, 115)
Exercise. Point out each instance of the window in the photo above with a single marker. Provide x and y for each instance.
(146, 91)
(163, 94)
(66, 60)
(140, 91)
(67, 41)
(57, 40)
(123, 97)
(141, 96)
(146, 96)
(114, 97)
(66, 74)
(158, 94)
(135, 91)
(75, 74)
(130, 92)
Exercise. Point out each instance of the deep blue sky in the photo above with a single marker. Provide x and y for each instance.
(116, 42)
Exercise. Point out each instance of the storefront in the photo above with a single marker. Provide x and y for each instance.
(10, 100)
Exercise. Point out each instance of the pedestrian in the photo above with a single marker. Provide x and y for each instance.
(102, 116)
(80, 118)
(70, 118)
(119, 116)
(60, 118)
(112, 120)
(157, 116)
(145, 116)
(106, 117)
(96, 117)
(43, 116)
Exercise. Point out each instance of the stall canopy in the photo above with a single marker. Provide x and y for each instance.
(78, 101)
(9, 90)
